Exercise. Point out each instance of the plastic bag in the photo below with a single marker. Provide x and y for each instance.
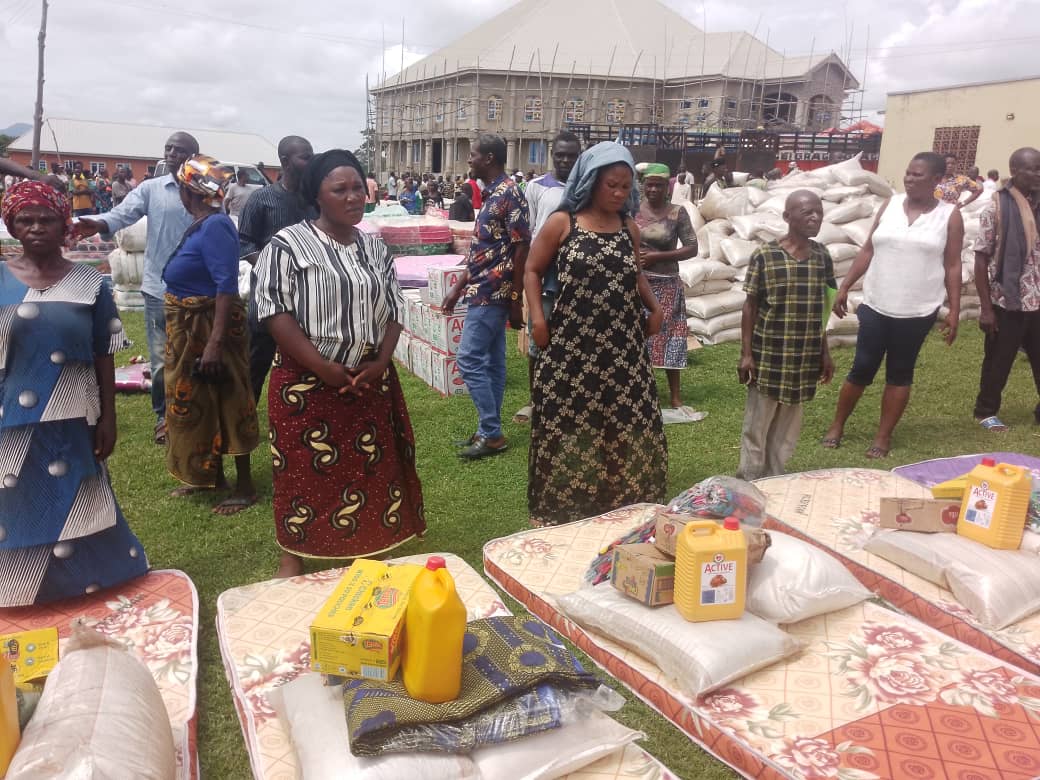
(722, 497)
(100, 716)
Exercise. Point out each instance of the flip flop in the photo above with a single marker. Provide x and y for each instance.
(232, 505)
(993, 424)
(877, 453)
(832, 443)
(523, 415)
(187, 490)
(160, 433)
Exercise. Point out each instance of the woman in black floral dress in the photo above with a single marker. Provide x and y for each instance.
(597, 440)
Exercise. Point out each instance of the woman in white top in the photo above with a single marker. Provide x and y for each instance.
(911, 263)
(345, 483)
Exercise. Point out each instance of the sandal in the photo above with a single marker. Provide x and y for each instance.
(831, 443)
(232, 505)
(876, 452)
(160, 433)
(993, 424)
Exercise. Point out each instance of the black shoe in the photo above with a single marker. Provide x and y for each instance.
(465, 442)
(481, 449)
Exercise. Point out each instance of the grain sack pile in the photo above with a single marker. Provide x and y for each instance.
(732, 223)
(127, 264)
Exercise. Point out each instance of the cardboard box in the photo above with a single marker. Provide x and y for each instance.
(441, 279)
(30, 654)
(927, 515)
(668, 527)
(421, 359)
(644, 573)
(10, 733)
(446, 331)
(445, 376)
(359, 630)
(401, 351)
(415, 324)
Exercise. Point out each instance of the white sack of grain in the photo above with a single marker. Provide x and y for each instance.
(723, 204)
(830, 234)
(715, 325)
(707, 306)
(707, 287)
(695, 214)
(842, 252)
(738, 251)
(840, 192)
(858, 230)
(693, 272)
(850, 210)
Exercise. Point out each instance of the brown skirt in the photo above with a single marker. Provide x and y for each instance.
(205, 420)
(345, 483)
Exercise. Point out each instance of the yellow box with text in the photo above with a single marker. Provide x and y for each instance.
(359, 630)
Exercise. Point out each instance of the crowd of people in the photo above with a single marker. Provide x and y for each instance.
(91, 192)
(592, 246)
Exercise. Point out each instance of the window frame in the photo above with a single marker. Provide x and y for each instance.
(494, 102)
(533, 109)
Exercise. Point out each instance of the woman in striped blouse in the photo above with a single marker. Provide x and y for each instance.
(345, 483)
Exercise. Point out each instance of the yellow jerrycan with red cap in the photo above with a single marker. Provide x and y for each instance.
(995, 504)
(435, 627)
(711, 570)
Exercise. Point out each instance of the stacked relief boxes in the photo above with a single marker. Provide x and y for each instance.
(431, 336)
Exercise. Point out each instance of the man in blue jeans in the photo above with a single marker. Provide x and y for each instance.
(493, 285)
(159, 199)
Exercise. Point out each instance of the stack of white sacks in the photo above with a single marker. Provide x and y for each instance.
(732, 223)
(127, 264)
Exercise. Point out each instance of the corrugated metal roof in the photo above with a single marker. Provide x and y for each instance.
(966, 86)
(117, 139)
(618, 38)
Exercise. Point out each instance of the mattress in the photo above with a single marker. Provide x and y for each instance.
(156, 617)
(875, 694)
(413, 270)
(837, 509)
(263, 632)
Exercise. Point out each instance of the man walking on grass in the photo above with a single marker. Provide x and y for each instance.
(493, 284)
(267, 211)
(784, 351)
(543, 198)
(159, 199)
(1007, 276)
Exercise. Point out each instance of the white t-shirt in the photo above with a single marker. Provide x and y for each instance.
(989, 186)
(907, 275)
(237, 195)
(681, 193)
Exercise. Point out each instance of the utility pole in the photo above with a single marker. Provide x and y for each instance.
(38, 115)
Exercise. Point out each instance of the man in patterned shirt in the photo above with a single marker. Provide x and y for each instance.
(493, 283)
(953, 184)
(784, 351)
(1007, 276)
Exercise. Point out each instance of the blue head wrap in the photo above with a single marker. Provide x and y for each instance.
(578, 194)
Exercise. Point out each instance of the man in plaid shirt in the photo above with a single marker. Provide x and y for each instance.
(784, 351)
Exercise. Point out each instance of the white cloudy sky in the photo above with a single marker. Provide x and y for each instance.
(276, 68)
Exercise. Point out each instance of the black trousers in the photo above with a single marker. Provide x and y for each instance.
(1015, 330)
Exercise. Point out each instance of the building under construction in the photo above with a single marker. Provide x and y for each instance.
(618, 68)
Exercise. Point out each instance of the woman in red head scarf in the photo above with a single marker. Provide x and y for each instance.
(61, 531)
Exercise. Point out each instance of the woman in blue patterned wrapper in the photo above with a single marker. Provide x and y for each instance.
(61, 531)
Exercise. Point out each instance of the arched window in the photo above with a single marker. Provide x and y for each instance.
(574, 110)
(822, 113)
(494, 108)
(779, 107)
(616, 112)
(533, 109)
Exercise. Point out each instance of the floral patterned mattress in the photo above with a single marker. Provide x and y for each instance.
(875, 694)
(264, 641)
(837, 509)
(156, 617)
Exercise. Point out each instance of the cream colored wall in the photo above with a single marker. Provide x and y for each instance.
(911, 120)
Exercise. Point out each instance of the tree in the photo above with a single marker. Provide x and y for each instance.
(5, 141)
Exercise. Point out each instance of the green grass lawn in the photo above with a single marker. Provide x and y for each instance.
(468, 504)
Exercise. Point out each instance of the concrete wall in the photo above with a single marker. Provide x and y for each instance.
(911, 121)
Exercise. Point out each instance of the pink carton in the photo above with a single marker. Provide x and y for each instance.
(446, 331)
(446, 377)
(441, 278)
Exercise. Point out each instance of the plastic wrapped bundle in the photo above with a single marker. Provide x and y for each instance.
(100, 716)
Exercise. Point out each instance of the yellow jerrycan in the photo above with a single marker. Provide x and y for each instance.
(9, 733)
(995, 505)
(711, 570)
(435, 626)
